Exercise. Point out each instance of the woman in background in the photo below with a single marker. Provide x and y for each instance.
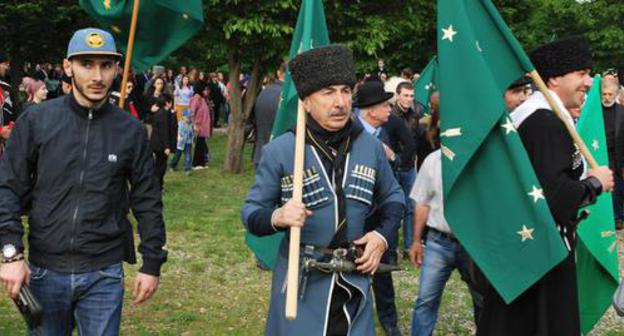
(202, 123)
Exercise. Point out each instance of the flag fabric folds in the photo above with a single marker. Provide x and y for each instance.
(426, 84)
(596, 248)
(162, 26)
(493, 200)
(310, 32)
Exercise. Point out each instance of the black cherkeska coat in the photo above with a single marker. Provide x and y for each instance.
(549, 307)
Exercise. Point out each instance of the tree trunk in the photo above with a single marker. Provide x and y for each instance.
(236, 128)
(240, 111)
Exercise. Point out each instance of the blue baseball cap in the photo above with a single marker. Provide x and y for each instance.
(92, 41)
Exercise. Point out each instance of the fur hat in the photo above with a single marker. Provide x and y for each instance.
(3, 57)
(322, 67)
(561, 57)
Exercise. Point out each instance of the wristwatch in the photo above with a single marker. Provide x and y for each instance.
(9, 254)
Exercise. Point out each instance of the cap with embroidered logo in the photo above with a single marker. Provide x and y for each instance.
(92, 41)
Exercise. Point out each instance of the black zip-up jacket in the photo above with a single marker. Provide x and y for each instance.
(77, 172)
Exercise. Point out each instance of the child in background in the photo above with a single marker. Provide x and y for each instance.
(185, 141)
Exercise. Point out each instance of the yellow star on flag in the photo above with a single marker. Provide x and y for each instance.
(536, 193)
(107, 4)
(509, 127)
(449, 33)
(526, 233)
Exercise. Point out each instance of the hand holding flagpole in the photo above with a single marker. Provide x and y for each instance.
(292, 287)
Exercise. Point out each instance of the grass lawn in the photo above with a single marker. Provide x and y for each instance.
(211, 286)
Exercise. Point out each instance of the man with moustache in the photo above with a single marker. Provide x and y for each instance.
(613, 115)
(346, 177)
(79, 163)
(550, 306)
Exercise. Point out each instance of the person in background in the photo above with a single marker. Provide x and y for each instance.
(129, 104)
(183, 94)
(160, 140)
(154, 92)
(184, 142)
(516, 93)
(264, 113)
(216, 96)
(613, 115)
(36, 91)
(202, 126)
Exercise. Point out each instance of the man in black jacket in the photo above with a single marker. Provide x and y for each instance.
(78, 163)
(374, 114)
(550, 306)
(160, 140)
(613, 115)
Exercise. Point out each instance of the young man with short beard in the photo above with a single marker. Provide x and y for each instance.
(78, 164)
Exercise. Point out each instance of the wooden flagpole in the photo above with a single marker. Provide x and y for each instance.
(128, 62)
(295, 232)
(541, 86)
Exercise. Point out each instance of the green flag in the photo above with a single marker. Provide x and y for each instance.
(493, 200)
(162, 25)
(426, 84)
(596, 249)
(310, 32)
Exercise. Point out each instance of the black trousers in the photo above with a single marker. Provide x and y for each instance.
(383, 288)
(217, 114)
(200, 156)
(160, 167)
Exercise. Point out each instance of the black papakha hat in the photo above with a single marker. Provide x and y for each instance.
(322, 67)
(371, 93)
(3, 57)
(561, 57)
(522, 81)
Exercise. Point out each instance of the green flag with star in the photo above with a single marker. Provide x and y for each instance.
(596, 248)
(162, 26)
(310, 32)
(493, 200)
(426, 84)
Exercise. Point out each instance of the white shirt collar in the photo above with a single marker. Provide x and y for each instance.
(536, 102)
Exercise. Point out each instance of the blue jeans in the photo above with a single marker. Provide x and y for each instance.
(91, 301)
(442, 256)
(406, 180)
(187, 158)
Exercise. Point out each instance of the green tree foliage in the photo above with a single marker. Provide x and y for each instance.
(252, 37)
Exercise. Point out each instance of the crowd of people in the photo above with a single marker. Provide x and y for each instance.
(370, 134)
(340, 109)
(179, 110)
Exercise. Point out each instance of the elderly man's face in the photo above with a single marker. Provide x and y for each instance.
(330, 106)
(608, 96)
